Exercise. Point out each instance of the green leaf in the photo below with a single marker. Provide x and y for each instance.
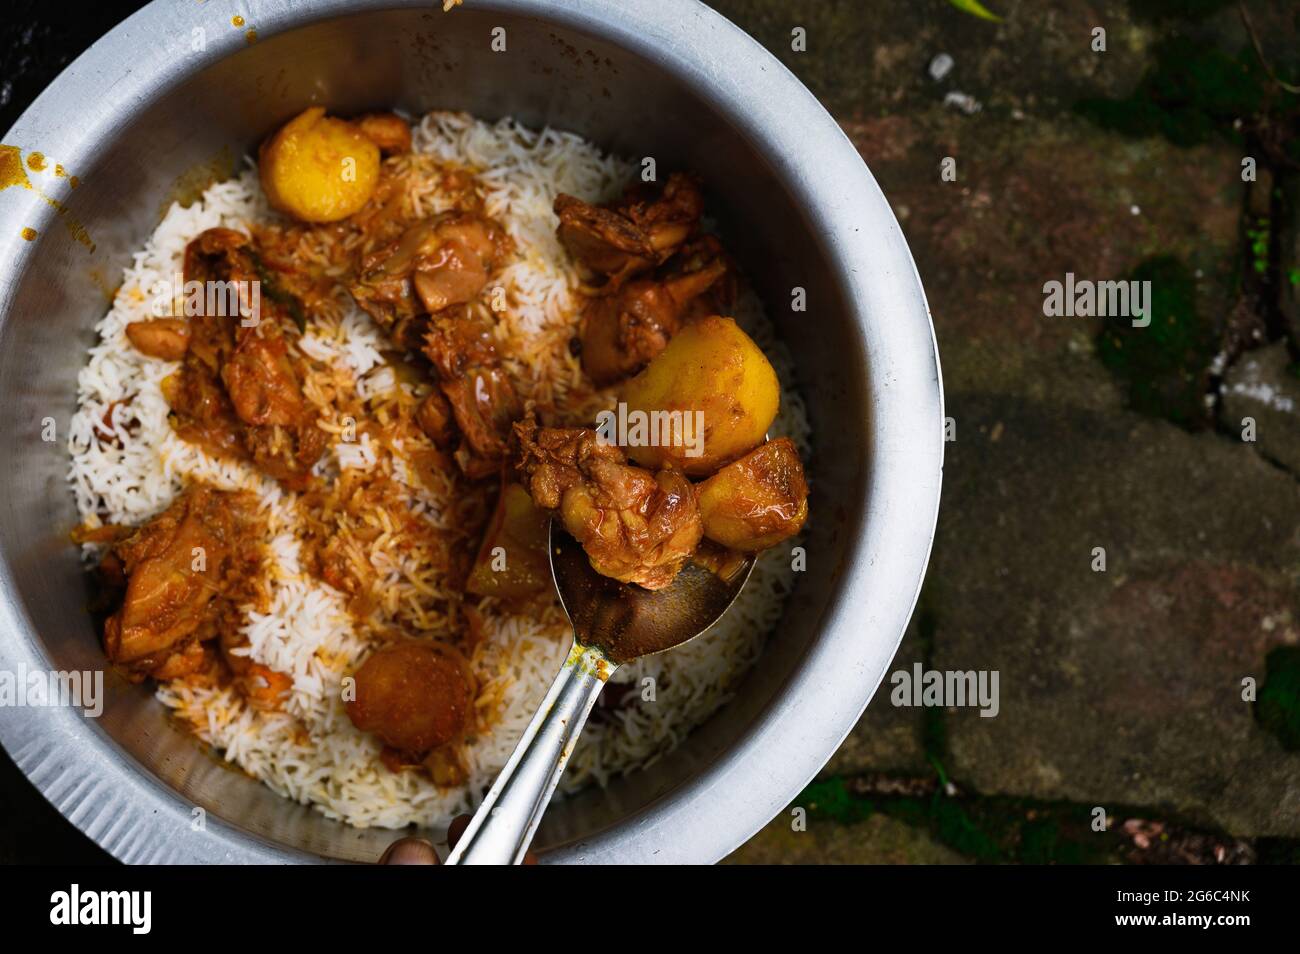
(975, 8)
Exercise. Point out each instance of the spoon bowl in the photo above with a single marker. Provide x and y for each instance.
(625, 621)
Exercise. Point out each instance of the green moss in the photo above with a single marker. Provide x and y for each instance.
(1277, 851)
(951, 824)
(1193, 93)
(1258, 235)
(1278, 706)
(831, 799)
(1163, 365)
(934, 730)
(989, 830)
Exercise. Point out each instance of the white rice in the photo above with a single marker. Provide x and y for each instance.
(310, 752)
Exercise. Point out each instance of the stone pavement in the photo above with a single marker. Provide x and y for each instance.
(1121, 688)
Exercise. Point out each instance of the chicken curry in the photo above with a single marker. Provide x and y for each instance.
(654, 337)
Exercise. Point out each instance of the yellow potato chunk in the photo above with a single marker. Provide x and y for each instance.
(757, 501)
(513, 561)
(705, 400)
(318, 168)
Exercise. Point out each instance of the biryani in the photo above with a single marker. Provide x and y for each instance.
(334, 406)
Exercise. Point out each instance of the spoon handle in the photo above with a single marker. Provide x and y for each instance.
(505, 823)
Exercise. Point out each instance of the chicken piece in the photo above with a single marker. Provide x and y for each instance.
(174, 565)
(757, 501)
(217, 257)
(303, 288)
(263, 384)
(204, 415)
(238, 392)
(602, 240)
(219, 254)
(390, 132)
(287, 454)
(636, 527)
(261, 381)
(195, 657)
(202, 411)
(435, 264)
(634, 234)
(386, 216)
(655, 523)
(482, 397)
(458, 269)
(414, 696)
(165, 338)
(416, 288)
(622, 331)
(705, 258)
(433, 415)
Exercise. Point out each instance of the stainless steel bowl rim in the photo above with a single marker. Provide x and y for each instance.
(127, 810)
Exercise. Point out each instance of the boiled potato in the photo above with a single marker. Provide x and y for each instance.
(318, 168)
(521, 567)
(757, 501)
(414, 696)
(713, 367)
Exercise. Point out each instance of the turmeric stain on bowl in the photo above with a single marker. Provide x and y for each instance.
(250, 36)
(12, 173)
(29, 233)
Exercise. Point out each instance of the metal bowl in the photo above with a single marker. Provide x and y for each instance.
(178, 88)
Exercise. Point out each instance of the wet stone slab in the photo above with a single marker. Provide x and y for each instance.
(1123, 685)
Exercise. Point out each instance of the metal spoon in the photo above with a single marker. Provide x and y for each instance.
(613, 623)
